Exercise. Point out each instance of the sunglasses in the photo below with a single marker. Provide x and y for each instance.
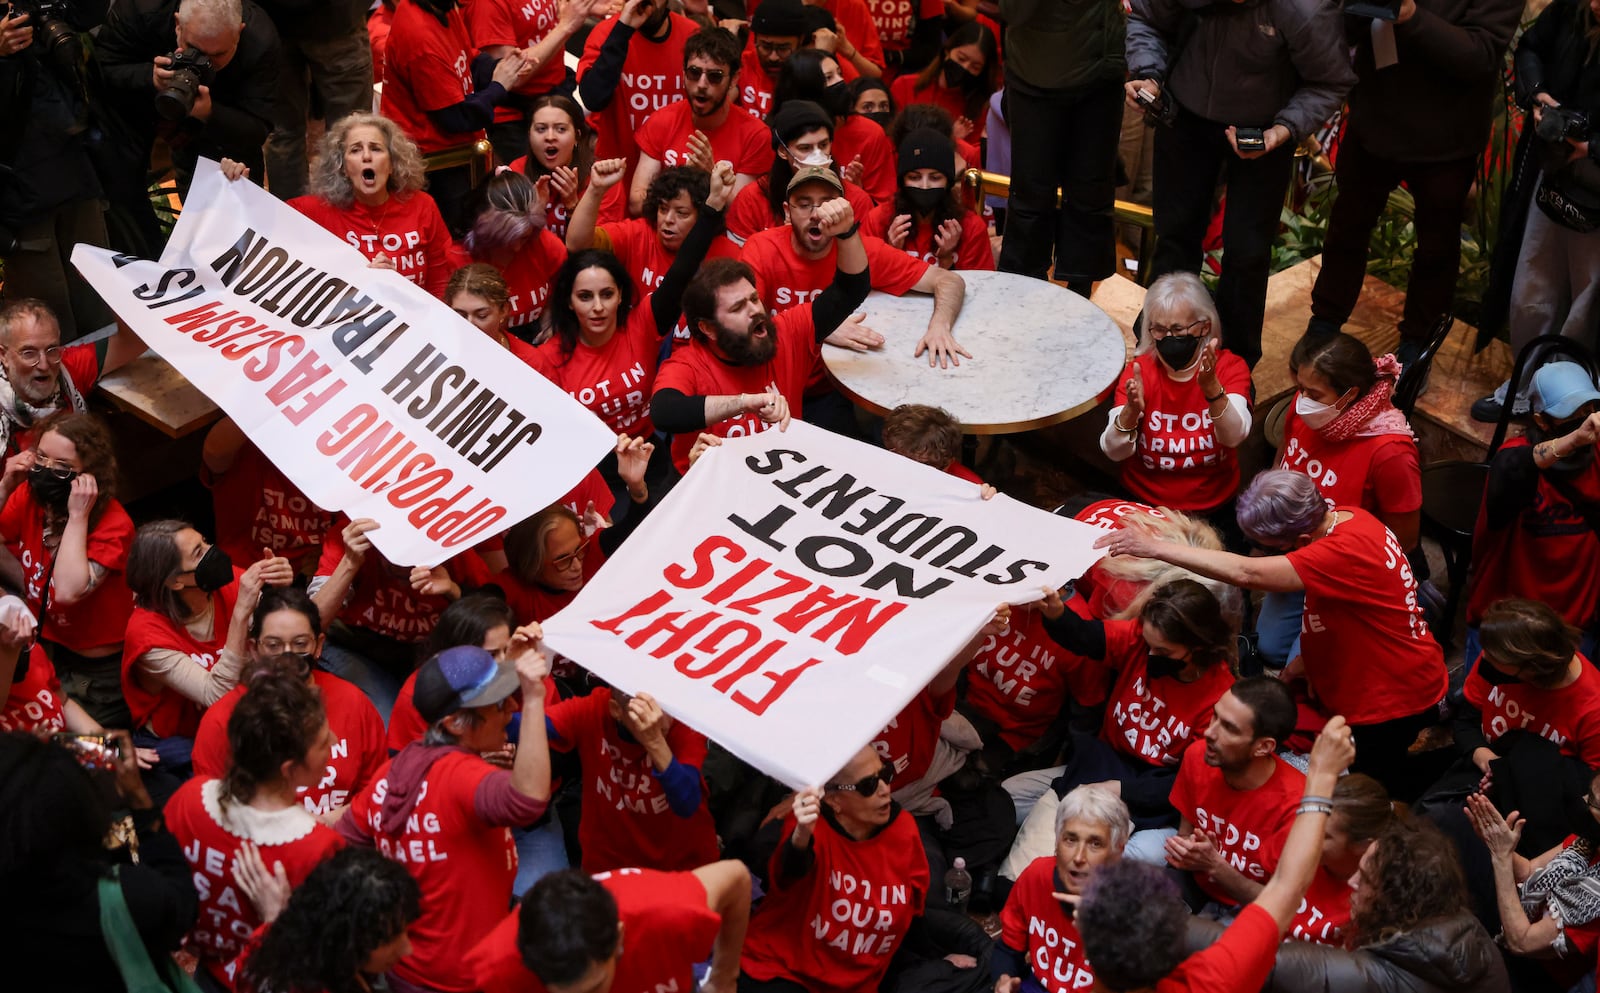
(868, 785)
(695, 74)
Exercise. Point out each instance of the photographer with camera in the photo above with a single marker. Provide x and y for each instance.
(50, 199)
(199, 74)
(1545, 275)
(1426, 86)
(1248, 80)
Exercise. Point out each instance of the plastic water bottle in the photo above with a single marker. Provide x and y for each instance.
(957, 885)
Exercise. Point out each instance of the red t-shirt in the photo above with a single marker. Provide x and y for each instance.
(1368, 652)
(407, 228)
(381, 599)
(755, 86)
(856, 135)
(256, 507)
(520, 24)
(1150, 720)
(1377, 474)
(616, 380)
(529, 276)
(464, 866)
(1548, 553)
(358, 750)
(1248, 826)
(637, 246)
(974, 251)
(165, 710)
(786, 280)
(406, 725)
(81, 365)
(100, 618)
(904, 92)
(750, 212)
(1569, 716)
(378, 25)
(1035, 923)
(227, 917)
(695, 371)
(911, 739)
(666, 926)
(897, 19)
(1106, 594)
(36, 702)
(1177, 460)
(741, 139)
(652, 78)
(837, 927)
(1324, 912)
(427, 66)
(1240, 960)
(626, 819)
(1019, 680)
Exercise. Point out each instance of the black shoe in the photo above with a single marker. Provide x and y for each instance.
(1409, 351)
(1487, 410)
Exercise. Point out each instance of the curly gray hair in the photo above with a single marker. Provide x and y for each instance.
(328, 179)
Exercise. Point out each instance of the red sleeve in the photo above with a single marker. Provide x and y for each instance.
(432, 80)
(1240, 960)
(440, 246)
(878, 168)
(210, 753)
(576, 720)
(110, 540)
(1182, 797)
(1397, 479)
(755, 152)
(904, 89)
(374, 749)
(591, 44)
(868, 43)
(678, 373)
(876, 223)
(975, 251)
(892, 270)
(14, 515)
(332, 547)
(1234, 374)
(490, 23)
(1119, 395)
(969, 151)
(860, 199)
(82, 364)
(688, 745)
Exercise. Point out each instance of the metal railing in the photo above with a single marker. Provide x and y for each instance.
(479, 156)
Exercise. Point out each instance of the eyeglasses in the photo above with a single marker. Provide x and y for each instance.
(32, 355)
(867, 785)
(302, 645)
(806, 206)
(564, 562)
(714, 76)
(1159, 331)
(60, 470)
(775, 51)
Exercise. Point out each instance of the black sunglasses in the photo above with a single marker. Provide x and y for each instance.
(867, 785)
(694, 73)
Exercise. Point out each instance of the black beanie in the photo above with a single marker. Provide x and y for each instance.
(926, 148)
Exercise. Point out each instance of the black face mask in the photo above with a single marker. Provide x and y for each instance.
(1158, 666)
(214, 570)
(880, 117)
(956, 75)
(1177, 350)
(836, 99)
(925, 201)
(49, 488)
(1493, 676)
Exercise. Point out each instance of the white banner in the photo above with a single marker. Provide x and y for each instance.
(797, 589)
(372, 396)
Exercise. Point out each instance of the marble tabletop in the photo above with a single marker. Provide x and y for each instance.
(1041, 355)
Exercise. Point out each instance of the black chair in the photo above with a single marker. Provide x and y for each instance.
(1452, 491)
(1414, 378)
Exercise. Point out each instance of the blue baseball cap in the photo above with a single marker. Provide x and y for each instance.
(1560, 388)
(461, 677)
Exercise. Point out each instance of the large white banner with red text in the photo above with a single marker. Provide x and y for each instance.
(371, 395)
(797, 589)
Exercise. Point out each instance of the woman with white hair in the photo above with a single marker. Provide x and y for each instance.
(366, 188)
(1182, 405)
(1039, 947)
(1366, 651)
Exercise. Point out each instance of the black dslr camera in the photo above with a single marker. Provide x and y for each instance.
(1559, 124)
(58, 44)
(191, 69)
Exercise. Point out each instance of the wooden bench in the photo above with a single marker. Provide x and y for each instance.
(158, 420)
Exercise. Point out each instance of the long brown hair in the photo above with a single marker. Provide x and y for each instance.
(1414, 875)
(96, 458)
(276, 721)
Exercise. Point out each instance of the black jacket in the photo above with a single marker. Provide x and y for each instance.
(135, 32)
(1436, 103)
(1448, 955)
(316, 20)
(1552, 57)
(43, 116)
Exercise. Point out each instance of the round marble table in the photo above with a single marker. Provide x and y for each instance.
(1041, 354)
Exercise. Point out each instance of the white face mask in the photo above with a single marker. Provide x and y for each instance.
(816, 157)
(1315, 415)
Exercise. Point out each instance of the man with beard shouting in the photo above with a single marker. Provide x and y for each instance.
(705, 126)
(42, 377)
(744, 371)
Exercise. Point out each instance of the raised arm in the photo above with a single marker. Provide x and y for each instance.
(603, 175)
(1302, 852)
(727, 886)
(1271, 573)
(666, 303)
